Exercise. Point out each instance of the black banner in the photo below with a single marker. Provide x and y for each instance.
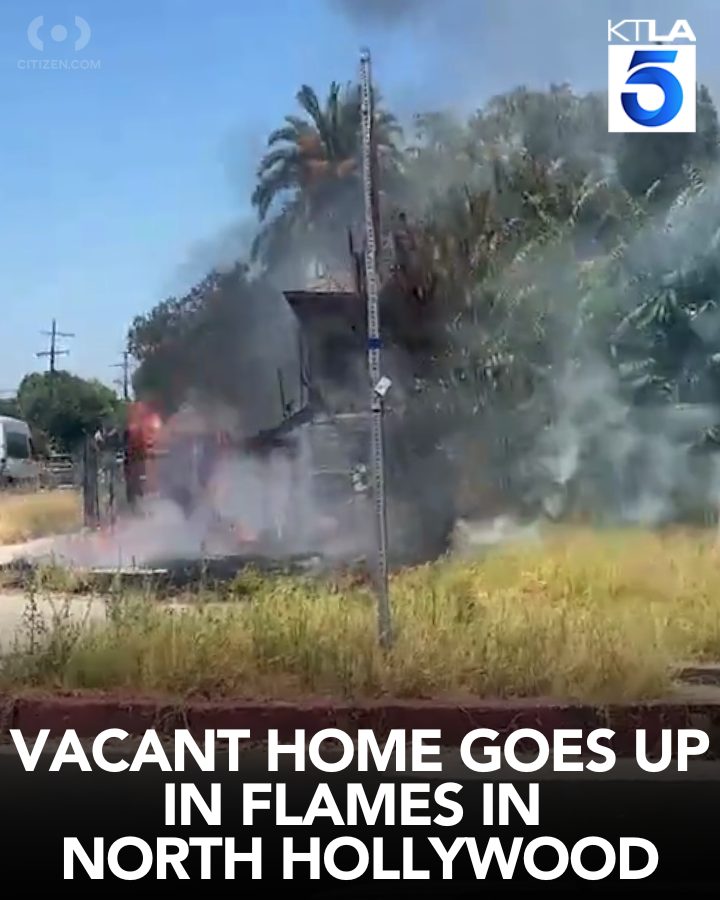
(44, 808)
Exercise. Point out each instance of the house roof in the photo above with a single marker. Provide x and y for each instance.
(346, 307)
(332, 282)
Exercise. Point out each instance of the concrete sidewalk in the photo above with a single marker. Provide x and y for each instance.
(19, 614)
(29, 550)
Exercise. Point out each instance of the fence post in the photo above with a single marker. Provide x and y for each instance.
(91, 505)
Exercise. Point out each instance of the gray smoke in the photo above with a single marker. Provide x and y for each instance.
(391, 12)
(268, 506)
(475, 49)
(630, 464)
(621, 464)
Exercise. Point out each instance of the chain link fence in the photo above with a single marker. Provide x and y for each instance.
(101, 477)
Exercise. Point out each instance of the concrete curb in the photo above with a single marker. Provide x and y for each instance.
(90, 714)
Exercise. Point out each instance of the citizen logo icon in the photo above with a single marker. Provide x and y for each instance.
(651, 77)
(58, 33)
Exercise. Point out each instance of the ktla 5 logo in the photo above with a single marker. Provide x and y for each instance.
(651, 87)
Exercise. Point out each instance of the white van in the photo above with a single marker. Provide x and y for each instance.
(18, 463)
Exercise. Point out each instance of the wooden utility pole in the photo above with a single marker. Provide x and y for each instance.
(125, 381)
(53, 352)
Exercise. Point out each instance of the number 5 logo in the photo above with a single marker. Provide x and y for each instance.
(662, 78)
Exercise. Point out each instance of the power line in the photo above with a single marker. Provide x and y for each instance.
(53, 352)
(124, 382)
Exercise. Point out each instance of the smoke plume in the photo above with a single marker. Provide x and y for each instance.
(597, 450)
(390, 12)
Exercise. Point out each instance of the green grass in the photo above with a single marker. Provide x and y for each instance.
(583, 615)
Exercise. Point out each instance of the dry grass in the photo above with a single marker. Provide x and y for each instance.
(584, 615)
(24, 516)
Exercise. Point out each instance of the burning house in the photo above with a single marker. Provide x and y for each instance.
(333, 325)
(320, 449)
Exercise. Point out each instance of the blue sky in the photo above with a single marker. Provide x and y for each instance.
(119, 183)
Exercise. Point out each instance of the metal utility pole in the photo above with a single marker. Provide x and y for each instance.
(54, 352)
(125, 366)
(378, 384)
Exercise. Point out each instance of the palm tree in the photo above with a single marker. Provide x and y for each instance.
(312, 172)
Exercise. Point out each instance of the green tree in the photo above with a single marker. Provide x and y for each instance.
(534, 239)
(66, 407)
(312, 171)
(9, 407)
(548, 125)
(660, 162)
